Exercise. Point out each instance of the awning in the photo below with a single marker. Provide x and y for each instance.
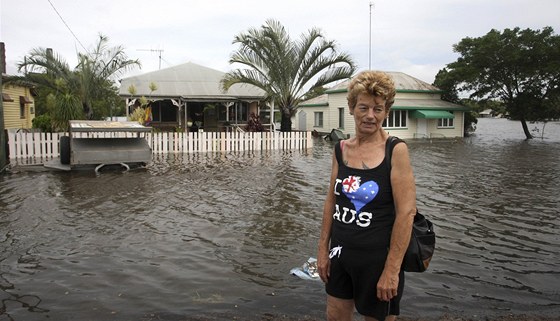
(431, 114)
(24, 100)
(6, 97)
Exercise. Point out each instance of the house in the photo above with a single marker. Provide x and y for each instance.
(189, 98)
(19, 106)
(487, 113)
(418, 111)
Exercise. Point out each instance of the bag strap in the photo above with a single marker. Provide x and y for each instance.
(338, 152)
(389, 146)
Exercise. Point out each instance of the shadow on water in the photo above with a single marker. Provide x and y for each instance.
(194, 235)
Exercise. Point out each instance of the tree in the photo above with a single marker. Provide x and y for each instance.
(91, 83)
(445, 81)
(286, 69)
(521, 68)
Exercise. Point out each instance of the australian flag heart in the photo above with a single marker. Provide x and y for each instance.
(359, 193)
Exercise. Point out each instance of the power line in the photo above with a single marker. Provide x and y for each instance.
(72, 32)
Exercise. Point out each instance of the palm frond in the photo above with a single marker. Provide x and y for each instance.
(285, 68)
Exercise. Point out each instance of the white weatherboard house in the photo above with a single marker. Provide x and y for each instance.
(189, 97)
(418, 111)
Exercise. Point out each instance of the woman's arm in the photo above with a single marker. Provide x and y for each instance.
(323, 262)
(404, 194)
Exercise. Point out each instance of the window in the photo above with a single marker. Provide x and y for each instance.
(341, 118)
(397, 119)
(233, 112)
(318, 119)
(445, 122)
(242, 112)
(21, 108)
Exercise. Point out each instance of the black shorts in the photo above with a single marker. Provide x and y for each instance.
(354, 275)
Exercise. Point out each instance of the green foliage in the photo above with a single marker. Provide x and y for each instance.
(132, 90)
(448, 84)
(520, 68)
(318, 91)
(138, 115)
(286, 69)
(92, 82)
(67, 107)
(43, 122)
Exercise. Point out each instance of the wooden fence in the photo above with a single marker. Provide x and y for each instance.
(37, 148)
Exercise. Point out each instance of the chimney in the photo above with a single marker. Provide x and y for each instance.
(2, 58)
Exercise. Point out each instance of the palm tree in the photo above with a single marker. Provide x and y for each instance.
(286, 69)
(91, 81)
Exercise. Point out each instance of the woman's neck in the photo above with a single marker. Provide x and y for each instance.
(378, 137)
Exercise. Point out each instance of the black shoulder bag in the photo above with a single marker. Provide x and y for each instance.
(423, 239)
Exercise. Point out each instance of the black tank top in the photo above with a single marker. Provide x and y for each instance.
(364, 210)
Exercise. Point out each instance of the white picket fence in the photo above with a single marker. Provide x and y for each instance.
(37, 148)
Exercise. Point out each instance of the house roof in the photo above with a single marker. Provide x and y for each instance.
(403, 83)
(322, 100)
(188, 81)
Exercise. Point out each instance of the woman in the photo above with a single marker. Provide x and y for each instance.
(368, 211)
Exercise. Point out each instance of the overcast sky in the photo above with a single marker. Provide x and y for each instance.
(414, 37)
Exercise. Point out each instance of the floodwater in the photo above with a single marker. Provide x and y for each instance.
(215, 236)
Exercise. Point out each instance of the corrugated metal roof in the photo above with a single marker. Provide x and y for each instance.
(189, 81)
(403, 82)
(322, 100)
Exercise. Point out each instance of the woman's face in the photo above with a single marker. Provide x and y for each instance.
(369, 113)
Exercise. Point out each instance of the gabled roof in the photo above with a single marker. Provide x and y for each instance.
(322, 100)
(188, 81)
(403, 83)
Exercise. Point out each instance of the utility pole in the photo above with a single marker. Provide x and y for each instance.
(370, 6)
(159, 51)
(3, 156)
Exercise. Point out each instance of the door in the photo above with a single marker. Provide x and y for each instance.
(302, 120)
(422, 128)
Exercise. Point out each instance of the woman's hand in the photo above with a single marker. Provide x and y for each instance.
(323, 264)
(387, 286)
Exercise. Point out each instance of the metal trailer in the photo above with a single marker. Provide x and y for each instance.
(103, 145)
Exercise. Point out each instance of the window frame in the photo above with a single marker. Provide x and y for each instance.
(402, 119)
(318, 119)
(444, 123)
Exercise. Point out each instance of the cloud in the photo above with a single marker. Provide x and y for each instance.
(408, 36)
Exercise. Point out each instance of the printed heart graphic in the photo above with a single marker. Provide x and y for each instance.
(359, 194)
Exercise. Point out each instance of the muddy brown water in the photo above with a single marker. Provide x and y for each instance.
(213, 235)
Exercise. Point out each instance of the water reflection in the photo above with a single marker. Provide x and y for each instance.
(216, 234)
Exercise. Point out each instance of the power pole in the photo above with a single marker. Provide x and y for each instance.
(3, 158)
(370, 6)
(159, 51)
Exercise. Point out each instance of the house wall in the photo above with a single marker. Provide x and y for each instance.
(456, 131)
(12, 117)
(338, 100)
(330, 115)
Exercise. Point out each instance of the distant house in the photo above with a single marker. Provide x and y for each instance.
(19, 106)
(189, 97)
(418, 111)
(487, 113)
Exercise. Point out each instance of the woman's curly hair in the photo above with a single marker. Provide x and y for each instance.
(375, 83)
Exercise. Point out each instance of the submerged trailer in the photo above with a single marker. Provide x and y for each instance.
(102, 143)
